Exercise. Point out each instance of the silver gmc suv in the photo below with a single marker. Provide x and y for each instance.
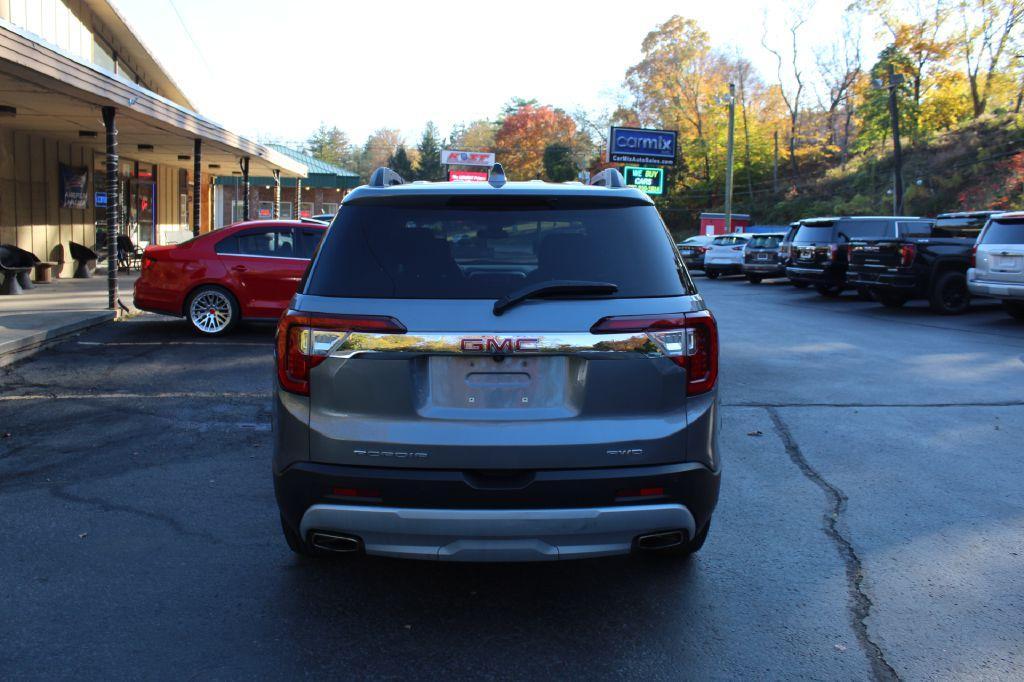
(496, 371)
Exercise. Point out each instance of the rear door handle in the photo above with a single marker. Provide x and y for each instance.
(239, 268)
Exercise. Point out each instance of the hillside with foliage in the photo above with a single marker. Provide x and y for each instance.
(812, 137)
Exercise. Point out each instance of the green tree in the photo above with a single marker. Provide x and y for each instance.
(559, 165)
(400, 163)
(330, 145)
(429, 148)
(874, 110)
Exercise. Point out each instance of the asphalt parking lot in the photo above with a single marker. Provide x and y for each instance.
(871, 521)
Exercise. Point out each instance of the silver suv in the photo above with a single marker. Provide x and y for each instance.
(997, 262)
(499, 371)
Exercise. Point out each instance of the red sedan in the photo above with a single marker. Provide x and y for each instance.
(245, 271)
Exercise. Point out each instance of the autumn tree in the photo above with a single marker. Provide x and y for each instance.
(874, 109)
(524, 135)
(839, 68)
(559, 165)
(474, 136)
(378, 148)
(676, 85)
(988, 29)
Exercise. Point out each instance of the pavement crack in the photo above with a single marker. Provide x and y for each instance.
(105, 505)
(860, 602)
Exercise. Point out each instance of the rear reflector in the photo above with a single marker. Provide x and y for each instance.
(304, 341)
(689, 339)
(640, 492)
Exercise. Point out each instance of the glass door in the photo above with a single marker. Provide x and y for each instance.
(142, 212)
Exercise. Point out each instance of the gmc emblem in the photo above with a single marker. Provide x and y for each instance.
(498, 344)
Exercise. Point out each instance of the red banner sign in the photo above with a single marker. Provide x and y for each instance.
(467, 176)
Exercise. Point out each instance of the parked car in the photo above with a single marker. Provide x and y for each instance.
(925, 259)
(245, 271)
(786, 251)
(324, 217)
(820, 249)
(761, 258)
(725, 255)
(693, 249)
(997, 267)
(462, 399)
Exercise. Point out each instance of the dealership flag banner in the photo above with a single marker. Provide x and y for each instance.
(456, 158)
(74, 181)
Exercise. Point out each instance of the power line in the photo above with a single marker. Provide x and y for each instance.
(184, 27)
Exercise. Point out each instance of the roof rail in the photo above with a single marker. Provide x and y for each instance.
(496, 176)
(385, 177)
(609, 177)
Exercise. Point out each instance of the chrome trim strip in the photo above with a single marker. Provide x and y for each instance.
(477, 343)
(254, 255)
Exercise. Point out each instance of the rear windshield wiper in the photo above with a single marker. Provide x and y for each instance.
(554, 287)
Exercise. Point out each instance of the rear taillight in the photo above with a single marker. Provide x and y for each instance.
(974, 256)
(833, 251)
(702, 249)
(304, 341)
(689, 339)
(147, 262)
(907, 254)
(738, 248)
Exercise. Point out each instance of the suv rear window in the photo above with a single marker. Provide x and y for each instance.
(478, 247)
(1007, 231)
(767, 241)
(816, 232)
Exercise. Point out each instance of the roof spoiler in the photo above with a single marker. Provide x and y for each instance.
(385, 177)
(609, 177)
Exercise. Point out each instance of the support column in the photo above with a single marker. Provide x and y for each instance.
(277, 194)
(245, 187)
(297, 213)
(113, 204)
(197, 186)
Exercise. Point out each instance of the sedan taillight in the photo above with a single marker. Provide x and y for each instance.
(304, 341)
(974, 256)
(690, 340)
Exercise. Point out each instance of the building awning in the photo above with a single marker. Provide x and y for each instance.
(60, 96)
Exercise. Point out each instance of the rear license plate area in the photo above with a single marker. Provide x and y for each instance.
(502, 386)
(1006, 263)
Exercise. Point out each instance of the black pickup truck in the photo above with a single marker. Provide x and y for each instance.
(927, 259)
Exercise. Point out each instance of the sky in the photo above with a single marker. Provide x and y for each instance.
(274, 70)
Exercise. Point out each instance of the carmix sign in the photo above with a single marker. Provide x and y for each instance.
(642, 145)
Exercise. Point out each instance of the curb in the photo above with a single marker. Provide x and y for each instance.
(25, 346)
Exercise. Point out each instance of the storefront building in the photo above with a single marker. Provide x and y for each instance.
(72, 73)
(319, 193)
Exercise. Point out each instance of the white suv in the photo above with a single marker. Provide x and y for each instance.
(997, 264)
(725, 255)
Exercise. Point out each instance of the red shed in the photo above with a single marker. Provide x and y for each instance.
(714, 223)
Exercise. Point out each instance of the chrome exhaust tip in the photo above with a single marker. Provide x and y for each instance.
(334, 542)
(665, 540)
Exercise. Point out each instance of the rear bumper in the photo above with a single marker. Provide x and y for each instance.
(1003, 290)
(765, 269)
(724, 268)
(882, 280)
(695, 263)
(815, 275)
(497, 516)
(497, 534)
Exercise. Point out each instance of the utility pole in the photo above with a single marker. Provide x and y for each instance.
(729, 157)
(775, 165)
(892, 83)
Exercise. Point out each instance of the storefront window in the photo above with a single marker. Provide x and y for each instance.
(329, 208)
(237, 211)
(286, 210)
(306, 209)
(265, 210)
